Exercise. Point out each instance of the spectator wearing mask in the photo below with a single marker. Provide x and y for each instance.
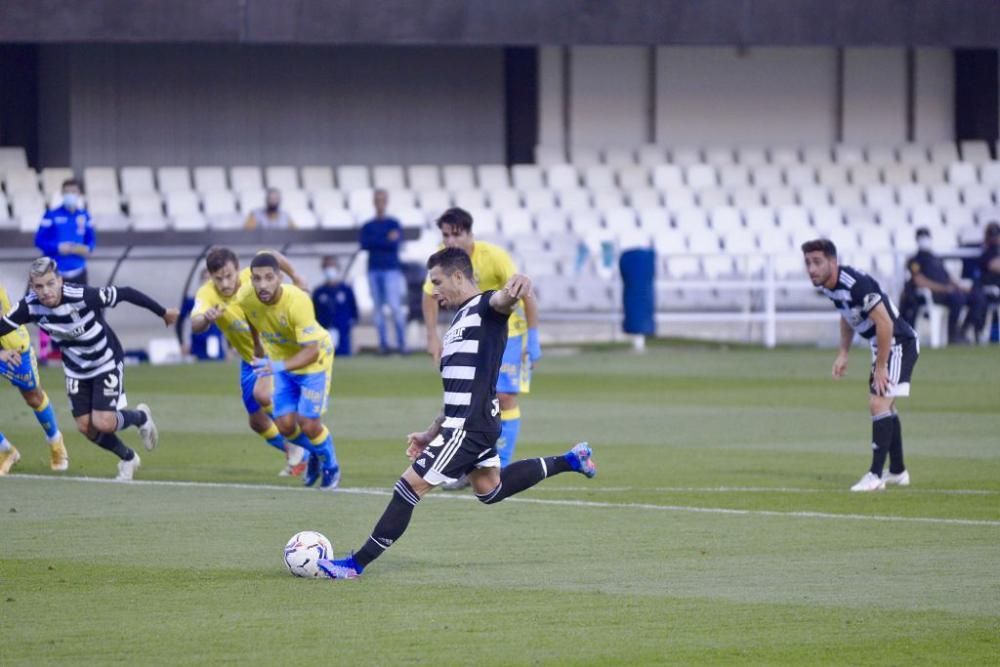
(989, 269)
(66, 234)
(927, 271)
(271, 215)
(336, 307)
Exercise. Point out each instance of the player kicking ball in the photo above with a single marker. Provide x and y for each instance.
(93, 359)
(292, 346)
(19, 366)
(463, 438)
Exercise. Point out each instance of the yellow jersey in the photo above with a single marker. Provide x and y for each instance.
(284, 327)
(232, 323)
(18, 339)
(493, 267)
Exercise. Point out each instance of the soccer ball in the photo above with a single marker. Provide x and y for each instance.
(302, 552)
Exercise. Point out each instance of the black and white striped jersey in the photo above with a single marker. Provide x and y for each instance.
(855, 295)
(470, 363)
(77, 327)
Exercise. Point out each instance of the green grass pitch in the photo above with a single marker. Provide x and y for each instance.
(718, 530)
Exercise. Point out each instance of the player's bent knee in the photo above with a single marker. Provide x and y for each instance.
(104, 423)
(507, 401)
(259, 422)
(34, 398)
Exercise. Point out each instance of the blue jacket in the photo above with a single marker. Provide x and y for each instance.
(336, 307)
(60, 225)
(383, 253)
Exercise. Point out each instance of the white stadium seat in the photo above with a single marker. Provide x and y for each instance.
(733, 175)
(353, 177)
(689, 219)
(52, 179)
(962, 173)
(551, 221)
(880, 156)
(336, 218)
(817, 155)
(246, 178)
(700, 176)
(504, 198)
(608, 199)
(761, 219)
(782, 156)
(599, 177)
(434, 202)
(620, 220)
(668, 177)
(580, 156)
(327, 199)
(99, 179)
(654, 218)
(944, 153)
(458, 177)
(751, 156)
(912, 154)
(359, 203)
(897, 174)
(684, 156)
(536, 199)
(472, 198)
(20, 181)
(525, 177)
(832, 175)
(282, 178)
(719, 156)
(725, 220)
(317, 178)
(876, 196)
(173, 179)
(944, 195)
(493, 176)
(644, 198)
(863, 175)
(633, 177)
(929, 173)
(911, 194)
(745, 197)
(847, 196)
(791, 218)
(976, 196)
(799, 175)
(574, 200)
(976, 152)
(562, 177)
(680, 199)
(925, 215)
(650, 155)
(848, 154)
(768, 176)
(386, 177)
(778, 196)
(423, 177)
(516, 221)
(619, 157)
(989, 174)
(210, 179)
(711, 197)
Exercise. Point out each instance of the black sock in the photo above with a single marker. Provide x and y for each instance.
(524, 474)
(391, 526)
(128, 418)
(896, 465)
(113, 444)
(882, 428)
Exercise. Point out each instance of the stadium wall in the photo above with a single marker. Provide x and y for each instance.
(171, 105)
(705, 96)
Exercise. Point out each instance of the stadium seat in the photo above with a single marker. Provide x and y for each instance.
(831, 175)
(760, 219)
(817, 155)
(210, 179)
(668, 177)
(944, 195)
(741, 247)
(944, 153)
(683, 156)
(733, 176)
(911, 194)
(702, 240)
(725, 220)
(783, 156)
(792, 218)
(962, 173)
(246, 178)
(336, 218)
(536, 199)
(880, 156)
(5, 220)
(327, 199)
(503, 198)
(52, 179)
(875, 238)
(599, 177)
(12, 157)
(146, 211)
(958, 217)
(609, 198)
(562, 177)
(700, 177)
(775, 241)
(619, 220)
(690, 219)
(745, 197)
(585, 222)
(668, 241)
(546, 155)
(975, 195)
(20, 181)
(572, 201)
(876, 196)
(768, 176)
(848, 154)
(484, 221)
(719, 156)
(989, 174)
(27, 210)
(458, 177)
(398, 199)
(283, 178)
(434, 202)
(644, 198)
(891, 216)
(137, 179)
(912, 154)
(551, 221)
(317, 178)
(172, 179)
(925, 215)
(929, 174)
(654, 218)
(386, 177)
(516, 221)
(183, 211)
(423, 177)
(680, 199)
(975, 152)
(219, 207)
(864, 175)
(650, 155)
(526, 177)
(897, 174)
(248, 200)
(353, 177)
(360, 204)
(472, 198)
(189, 222)
(799, 175)
(751, 156)
(709, 198)
(634, 177)
(493, 176)
(99, 179)
(779, 196)
(846, 196)
(620, 156)
(858, 217)
(408, 216)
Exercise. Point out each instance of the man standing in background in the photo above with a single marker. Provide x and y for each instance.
(336, 307)
(66, 234)
(381, 237)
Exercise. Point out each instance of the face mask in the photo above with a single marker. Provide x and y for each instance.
(924, 243)
(332, 274)
(272, 208)
(71, 200)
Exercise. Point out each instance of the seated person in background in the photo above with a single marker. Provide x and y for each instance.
(988, 282)
(271, 216)
(336, 307)
(927, 271)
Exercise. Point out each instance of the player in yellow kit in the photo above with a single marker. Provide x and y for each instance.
(493, 267)
(293, 348)
(215, 302)
(19, 366)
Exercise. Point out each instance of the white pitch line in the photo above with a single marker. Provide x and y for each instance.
(362, 491)
(755, 489)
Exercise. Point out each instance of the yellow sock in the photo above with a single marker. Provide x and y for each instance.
(321, 438)
(513, 413)
(271, 431)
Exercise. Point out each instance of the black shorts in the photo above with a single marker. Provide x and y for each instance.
(105, 392)
(455, 453)
(902, 358)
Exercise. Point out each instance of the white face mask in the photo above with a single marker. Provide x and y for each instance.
(332, 274)
(924, 243)
(71, 200)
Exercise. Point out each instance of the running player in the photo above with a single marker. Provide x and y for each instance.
(866, 310)
(215, 302)
(19, 366)
(292, 346)
(93, 359)
(462, 440)
(493, 267)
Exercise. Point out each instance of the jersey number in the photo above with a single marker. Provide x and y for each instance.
(72, 385)
(496, 407)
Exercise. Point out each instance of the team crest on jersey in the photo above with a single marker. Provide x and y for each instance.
(871, 300)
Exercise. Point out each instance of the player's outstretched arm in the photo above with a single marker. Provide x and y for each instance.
(504, 300)
(143, 300)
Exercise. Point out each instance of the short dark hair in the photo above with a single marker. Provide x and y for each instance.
(72, 181)
(824, 246)
(922, 231)
(218, 257)
(451, 260)
(456, 217)
(265, 260)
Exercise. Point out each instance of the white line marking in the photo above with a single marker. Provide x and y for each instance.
(361, 491)
(755, 489)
